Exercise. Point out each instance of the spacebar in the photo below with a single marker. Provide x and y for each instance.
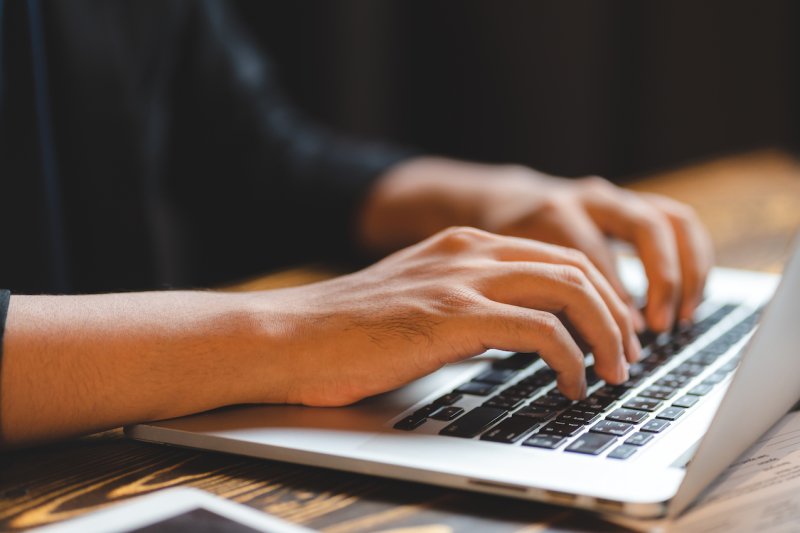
(474, 422)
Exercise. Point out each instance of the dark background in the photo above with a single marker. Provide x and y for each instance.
(572, 87)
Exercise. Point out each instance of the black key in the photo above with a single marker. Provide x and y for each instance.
(565, 429)
(555, 402)
(675, 381)
(704, 358)
(688, 369)
(542, 377)
(536, 412)
(521, 391)
(610, 427)
(551, 442)
(428, 410)
(712, 319)
(623, 451)
(647, 338)
(655, 426)
(728, 367)
(636, 370)
(510, 430)
(580, 417)
(631, 416)
(671, 413)
(612, 391)
(595, 403)
(639, 438)
(591, 376)
(591, 443)
(701, 390)
(503, 402)
(474, 422)
(642, 404)
(495, 377)
(517, 361)
(713, 379)
(448, 413)
(448, 399)
(658, 392)
(686, 401)
(410, 422)
(476, 388)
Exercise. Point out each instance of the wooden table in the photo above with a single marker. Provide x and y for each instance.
(751, 203)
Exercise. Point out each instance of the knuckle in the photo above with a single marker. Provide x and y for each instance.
(549, 325)
(571, 275)
(459, 238)
(597, 183)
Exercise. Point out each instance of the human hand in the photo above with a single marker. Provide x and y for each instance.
(673, 245)
(445, 299)
(423, 195)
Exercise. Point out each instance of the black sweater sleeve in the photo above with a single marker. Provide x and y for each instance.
(248, 159)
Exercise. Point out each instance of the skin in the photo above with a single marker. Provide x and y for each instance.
(77, 364)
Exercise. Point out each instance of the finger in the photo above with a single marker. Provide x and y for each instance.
(518, 329)
(564, 289)
(626, 216)
(516, 249)
(694, 248)
(583, 234)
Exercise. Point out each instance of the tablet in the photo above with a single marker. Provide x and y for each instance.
(177, 510)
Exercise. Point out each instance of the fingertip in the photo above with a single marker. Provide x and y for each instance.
(634, 351)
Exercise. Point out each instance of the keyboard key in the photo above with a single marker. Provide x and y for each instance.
(580, 417)
(428, 410)
(689, 369)
(541, 378)
(595, 403)
(476, 421)
(716, 377)
(675, 381)
(686, 401)
(612, 391)
(521, 391)
(639, 438)
(671, 413)
(728, 367)
(565, 429)
(623, 451)
(496, 376)
(551, 442)
(591, 443)
(410, 422)
(642, 404)
(655, 426)
(536, 412)
(503, 402)
(704, 357)
(448, 399)
(556, 402)
(517, 361)
(701, 390)
(448, 413)
(658, 392)
(510, 430)
(477, 388)
(591, 376)
(610, 427)
(631, 416)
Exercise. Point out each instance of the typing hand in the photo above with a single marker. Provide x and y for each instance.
(445, 299)
(425, 194)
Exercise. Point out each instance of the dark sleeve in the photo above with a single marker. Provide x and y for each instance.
(248, 159)
(5, 297)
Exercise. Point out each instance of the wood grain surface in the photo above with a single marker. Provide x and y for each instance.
(751, 204)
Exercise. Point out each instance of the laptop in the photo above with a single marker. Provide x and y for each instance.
(497, 424)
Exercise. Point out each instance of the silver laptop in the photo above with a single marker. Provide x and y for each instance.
(497, 424)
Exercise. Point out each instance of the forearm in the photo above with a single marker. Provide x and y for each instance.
(76, 364)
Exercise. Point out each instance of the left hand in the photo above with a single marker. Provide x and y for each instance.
(423, 195)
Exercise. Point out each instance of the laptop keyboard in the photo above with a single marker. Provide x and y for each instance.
(524, 407)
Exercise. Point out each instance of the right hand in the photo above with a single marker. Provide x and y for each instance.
(448, 298)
